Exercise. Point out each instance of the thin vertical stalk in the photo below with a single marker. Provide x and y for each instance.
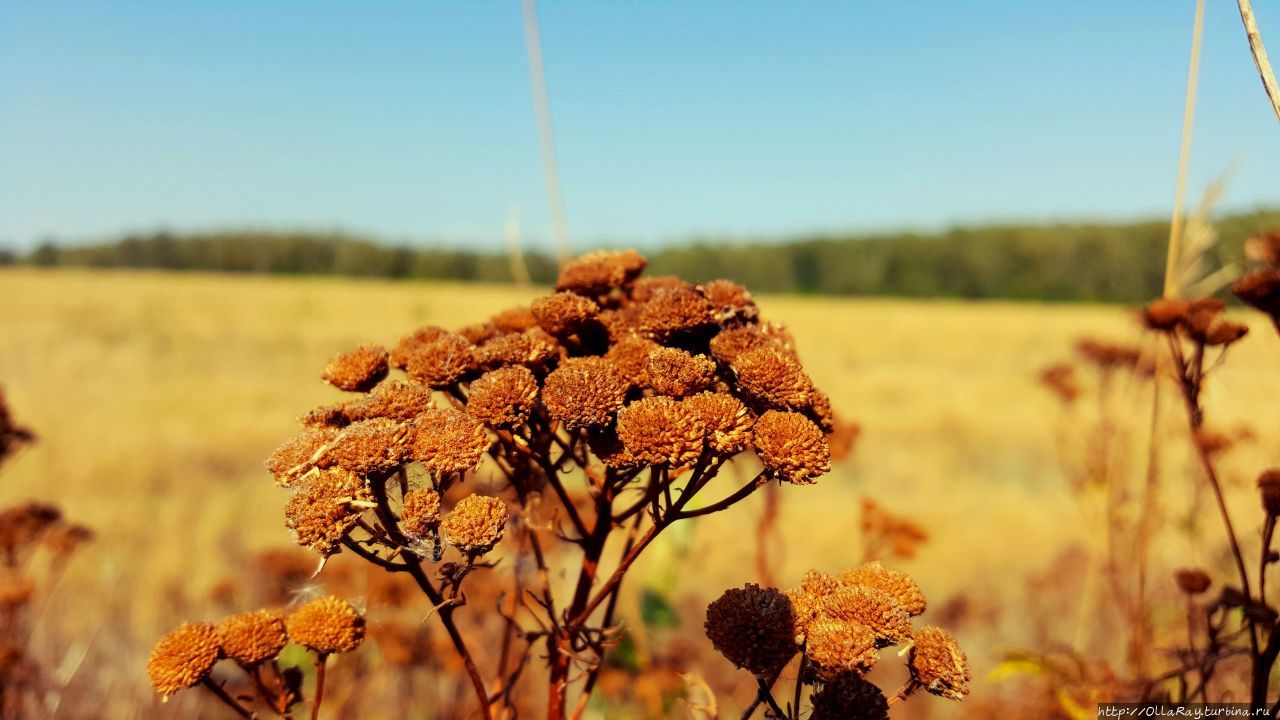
(542, 111)
(1260, 55)
(1171, 270)
(322, 662)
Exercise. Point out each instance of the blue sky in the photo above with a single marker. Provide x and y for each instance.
(413, 121)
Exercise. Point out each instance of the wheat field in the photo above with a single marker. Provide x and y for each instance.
(157, 396)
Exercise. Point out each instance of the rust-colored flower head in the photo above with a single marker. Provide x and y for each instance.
(599, 273)
(730, 302)
(726, 420)
(660, 431)
(1108, 355)
(877, 609)
(358, 370)
(731, 342)
(324, 507)
(585, 392)
(1261, 289)
(791, 447)
(391, 399)
(64, 539)
(564, 313)
(1164, 313)
(479, 332)
(326, 416)
(475, 524)
(503, 398)
(773, 378)
(631, 356)
(806, 600)
(1264, 247)
(299, 454)
(820, 411)
(514, 320)
(23, 525)
(11, 434)
(1223, 332)
(252, 638)
(328, 625)
(896, 583)
(441, 362)
(674, 372)
(1192, 581)
(643, 289)
(368, 447)
(420, 512)
(448, 441)
(1061, 381)
(938, 664)
(1201, 314)
(672, 311)
(849, 697)
(411, 343)
(534, 349)
(183, 658)
(837, 647)
(1269, 487)
(16, 588)
(754, 628)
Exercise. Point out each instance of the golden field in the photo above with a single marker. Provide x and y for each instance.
(157, 396)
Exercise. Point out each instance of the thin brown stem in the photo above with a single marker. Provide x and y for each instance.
(764, 692)
(322, 662)
(903, 692)
(226, 698)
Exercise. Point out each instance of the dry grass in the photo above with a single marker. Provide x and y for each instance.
(157, 396)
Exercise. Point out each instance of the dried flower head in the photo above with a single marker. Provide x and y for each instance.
(1192, 581)
(420, 512)
(754, 628)
(730, 302)
(252, 638)
(63, 539)
(643, 289)
(731, 342)
(532, 348)
(324, 507)
(773, 378)
(358, 370)
(1164, 313)
(514, 320)
(410, 344)
(391, 399)
(368, 447)
(791, 447)
(1265, 247)
(938, 664)
(1222, 332)
(675, 310)
(837, 647)
(599, 273)
(327, 625)
(1261, 289)
(896, 583)
(299, 453)
(183, 658)
(877, 609)
(479, 332)
(564, 313)
(1201, 314)
(660, 431)
(849, 697)
(631, 356)
(726, 420)
(806, 600)
(1269, 487)
(21, 526)
(11, 434)
(609, 448)
(1061, 380)
(585, 392)
(674, 372)
(448, 441)
(1109, 355)
(326, 416)
(475, 524)
(16, 588)
(503, 398)
(441, 362)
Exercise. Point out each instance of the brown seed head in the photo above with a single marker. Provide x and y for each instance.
(674, 372)
(731, 342)
(730, 302)
(660, 431)
(564, 313)
(631, 356)
(643, 289)
(791, 447)
(754, 628)
(532, 348)
(441, 362)
(877, 609)
(726, 420)
(420, 512)
(65, 538)
(16, 588)
(479, 332)
(939, 664)
(503, 398)
(1061, 380)
(448, 441)
(475, 524)
(410, 344)
(675, 310)
(606, 445)
(327, 625)
(599, 273)
(1265, 247)
(324, 506)
(22, 525)
(514, 320)
(1164, 313)
(183, 658)
(1221, 333)
(326, 416)
(1108, 355)
(391, 399)
(773, 378)
(1261, 289)
(358, 370)
(839, 647)
(585, 392)
(1201, 314)
(252, 638)
(1269, 487)
(806, 600)
(849, 697)
(1192, 581)
(368, 447)
(298, 454)
(896, 583)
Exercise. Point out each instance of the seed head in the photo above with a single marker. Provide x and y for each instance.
(898, 584)
(606, 445)
(820, 411)
(732, 342)
(16, 588)
(327, 625)
(326, 416)
(643, 289)
(1224, 332)
(64, 539)
(939, 664)
(252, 638)
(660, 431)
(585, 392)
(1261, 289)
(441, 362)
(754, 628)
(849, 697)
(675, 310)
(1108, 355)
(773, 378)
(1192, 581)
(730, 302)
(514, 320)
(475, 524)
(1269, 487)
(1265, 247)
(358, 370)
(503, 398)
(478, 333)
(806, 600)
(324, 507)
(448, 441)
(791, 447)
(564, 313)
(420, 512)
(413, 342)
(298, 454)
(631, 356)
(532, 348)
(22, 525)
(368, 447)
(839, 647)
(877, 609)
(599, 273)
(726, 420)
(1061, 380)
(183, 658)
(391, 399)
(674, 372)
(1164, 313)
(1201, 314)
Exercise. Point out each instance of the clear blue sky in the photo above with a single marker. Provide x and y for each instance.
(413, 120)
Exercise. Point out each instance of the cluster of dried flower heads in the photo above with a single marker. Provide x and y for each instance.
(562, 434)
(837, 624)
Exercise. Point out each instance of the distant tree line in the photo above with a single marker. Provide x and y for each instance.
(1117, 262)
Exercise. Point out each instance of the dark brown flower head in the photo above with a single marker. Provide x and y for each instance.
(730, 302)
(514, 320)
(1201, 314)
(726, 420)
(643, 289)
(754, 628)
(672, 311)
(877, 609)
(631, 355)
(64, 539)
(1265, 247)
(183, 658)
(849, 697)
(731, 342)
(837, 647)
(299, 453)
(791, 447)
(661, 431)
(1165, 313)
(392, 399)
(358, 370)
(1222, 332)
(448, 441)
(16, 588)
(252, 638)
(11, 434)
(1108, 355)
(324, 507)
(534, 349)
(1269, 487)
(475, 524)
(420, 512)
(898, 584)
(773, 378)
(599, 273)
(410, 344)
(564, 313)
(21, 526)
(328, 625)
(606, 445)
(368, 447)
(939, 664)
(503, 398)
(1211, 442)
(585, 392)
(326, 416)
(1192, 581)
(441, 362)
(674, 372)
(1261, 289)
(479, 333)
(1061, 381)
